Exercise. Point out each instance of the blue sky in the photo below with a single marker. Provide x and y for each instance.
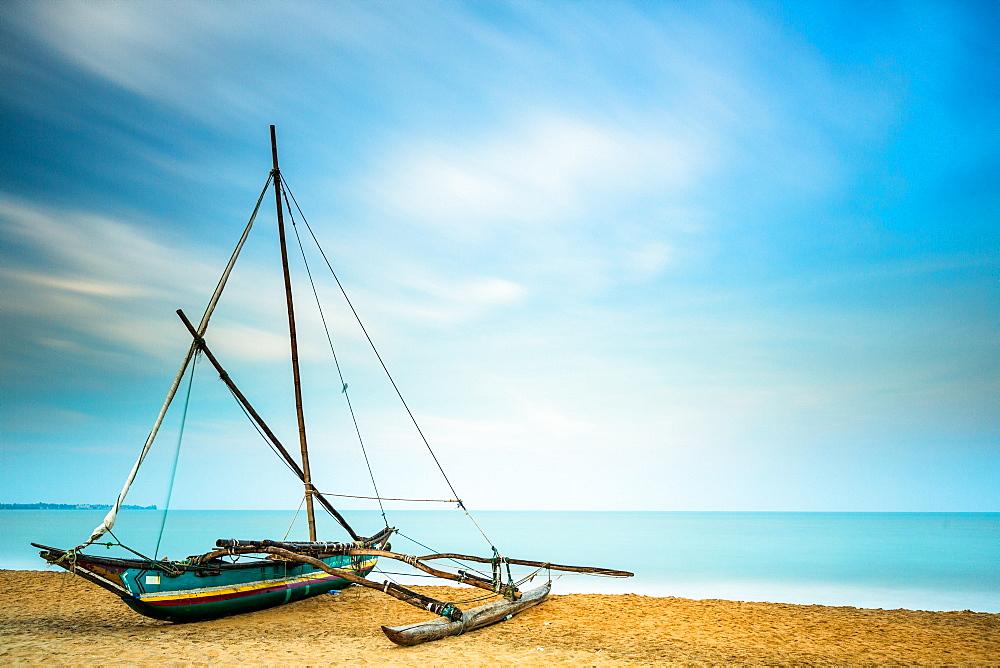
(642, 256)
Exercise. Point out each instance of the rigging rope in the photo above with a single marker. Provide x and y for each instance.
(177, 455)
(386, 498)
(428, 547)
(333, 352)
(294, 517)
(111, 517)
(384, 367)
(259, 430)
(268, 441)
(165, 566)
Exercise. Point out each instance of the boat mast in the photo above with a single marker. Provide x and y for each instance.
(307, 478)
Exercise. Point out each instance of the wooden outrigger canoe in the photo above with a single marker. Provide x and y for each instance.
(476, 618)
(206, 586)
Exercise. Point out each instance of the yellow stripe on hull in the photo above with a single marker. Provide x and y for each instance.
(194, 594)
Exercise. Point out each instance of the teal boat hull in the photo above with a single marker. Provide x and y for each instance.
(179, 593)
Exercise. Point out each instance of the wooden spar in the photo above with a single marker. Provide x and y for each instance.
(464, 577)
(391, 588)
(593, 570)
(292, 464)
(265, 546)
(304, 547)
(476, 618)
(307, 476)
(251, 547)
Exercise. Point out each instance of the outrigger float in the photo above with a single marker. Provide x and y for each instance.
(268, 573)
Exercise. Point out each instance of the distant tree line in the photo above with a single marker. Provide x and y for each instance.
(68, 506)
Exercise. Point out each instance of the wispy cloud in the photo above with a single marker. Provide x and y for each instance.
(548, 170)
(134, 46)
(77, 272)
(108, 284)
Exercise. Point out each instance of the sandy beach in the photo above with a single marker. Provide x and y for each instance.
(55, 618)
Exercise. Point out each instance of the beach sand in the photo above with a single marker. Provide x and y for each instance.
(56, 618)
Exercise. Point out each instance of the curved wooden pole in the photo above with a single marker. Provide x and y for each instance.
(592, 570)
(464, 578)
(390, 588)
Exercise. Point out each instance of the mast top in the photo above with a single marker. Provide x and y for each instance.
(274, 149)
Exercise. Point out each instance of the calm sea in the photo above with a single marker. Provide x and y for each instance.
(923, 561)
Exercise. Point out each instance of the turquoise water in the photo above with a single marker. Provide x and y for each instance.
(924, 561)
